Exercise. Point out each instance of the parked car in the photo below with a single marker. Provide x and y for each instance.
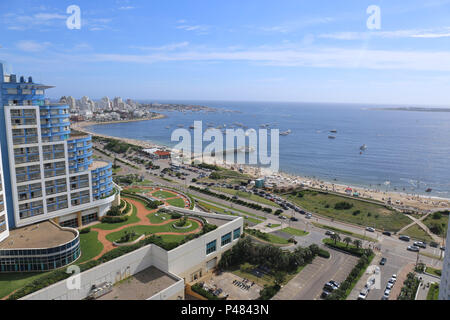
(442, 248)
(387, 233)
(363, 294)
(383, 261)
(370, 229)
(329, 233)
(335, 283)
(420, 244)
(294, 219)
(404, 238)
(389, 285)
(308, 216)
(434, 244)
(325, 294)
(413, 248)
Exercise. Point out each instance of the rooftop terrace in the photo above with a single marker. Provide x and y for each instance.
(141, 286)
(37, 236)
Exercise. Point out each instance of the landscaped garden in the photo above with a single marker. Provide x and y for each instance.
(349, 210)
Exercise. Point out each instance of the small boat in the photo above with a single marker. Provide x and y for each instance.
(429, 190)
(167, 127)
(191, 127)
(285, 133)
(333, 131)
(363, 147)
(331, 137)
(180, 125)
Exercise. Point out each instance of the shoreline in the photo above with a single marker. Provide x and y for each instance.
(283, 179)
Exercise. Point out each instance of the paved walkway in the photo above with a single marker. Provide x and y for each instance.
(401, 277)
(142, 213)
(421, 225)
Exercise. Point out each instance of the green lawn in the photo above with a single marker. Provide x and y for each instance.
(90, 246)
(228, 207)
(223, 211)
(436, 272)
(433, 220)
(151, 229)
(433, 293)
(294, 232)
(270, 237)
(275, 225)
(161, 194)
(361, 212)
(177, 202)
(341, 231)
(249, 196)
(157, 217)
(111, 226)
(10, 282)
(418, 233)
(137, 190)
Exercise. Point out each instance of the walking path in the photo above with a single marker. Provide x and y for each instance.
(142, 213)
(421, 225)
(401, 277)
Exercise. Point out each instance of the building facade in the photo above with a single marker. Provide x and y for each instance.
(4, 230)
(49, 171)
(444, 288)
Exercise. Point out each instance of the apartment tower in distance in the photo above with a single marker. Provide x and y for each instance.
(50, 182)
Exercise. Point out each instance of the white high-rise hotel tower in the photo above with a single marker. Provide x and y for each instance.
(48, 172)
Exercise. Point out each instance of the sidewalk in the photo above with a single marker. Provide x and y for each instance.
(365, 277)
(401, 277)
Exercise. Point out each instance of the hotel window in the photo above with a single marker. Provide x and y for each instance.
(211, 247)
(226, 239)
(236, 233)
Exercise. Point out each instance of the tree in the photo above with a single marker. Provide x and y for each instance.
(280, 277)
(335, 237)
(357, 243)
(347, 240)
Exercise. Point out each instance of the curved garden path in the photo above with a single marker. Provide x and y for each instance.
(142, 213)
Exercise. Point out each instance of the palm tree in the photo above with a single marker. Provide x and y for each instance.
(335, 237)
(347, 240)
(357, 243)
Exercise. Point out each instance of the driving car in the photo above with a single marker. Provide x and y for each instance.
(387, 233)
(329, 233)
(383, 261)
(420, 244)
(308, 216)
(404, 238)
(370, 229)
(413, 248)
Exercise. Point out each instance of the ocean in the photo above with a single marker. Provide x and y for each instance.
(409, 149)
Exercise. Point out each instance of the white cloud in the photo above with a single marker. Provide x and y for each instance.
(301, 57)
(396, 34)
(32, 46)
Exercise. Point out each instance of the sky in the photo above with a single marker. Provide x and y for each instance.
(252, 50)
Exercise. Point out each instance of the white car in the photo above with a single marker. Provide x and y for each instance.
(387, 292)
(370, 229)
(363, 294)
(389, 285)
(394, 276)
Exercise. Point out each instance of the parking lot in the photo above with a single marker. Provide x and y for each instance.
(308, 284)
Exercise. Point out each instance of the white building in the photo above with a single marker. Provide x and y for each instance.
(444, 288)
(4, 230)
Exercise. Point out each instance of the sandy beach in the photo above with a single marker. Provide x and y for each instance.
(281, 179)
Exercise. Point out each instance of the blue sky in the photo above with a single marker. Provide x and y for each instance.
(234, 50)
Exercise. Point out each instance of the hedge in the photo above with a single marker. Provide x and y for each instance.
(204, 293)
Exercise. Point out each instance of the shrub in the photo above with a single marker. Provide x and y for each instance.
(174, 215)
(343, 205)
(323, 253)
(268, 292)
(114, 211)
(197, 288)
(356, 212)
(85, 230)
(114, 219)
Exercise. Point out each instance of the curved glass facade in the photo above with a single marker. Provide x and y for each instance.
(28, 260)
(102, 182)
(80, 154)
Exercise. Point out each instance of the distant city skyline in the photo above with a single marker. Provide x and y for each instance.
(303, 51)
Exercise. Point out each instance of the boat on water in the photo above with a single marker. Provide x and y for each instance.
(333, 131)
(331, 137)
(266, 125)
(428, 190)
(285, 133)
(363, 147)
(180, 125)
(167, 127)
